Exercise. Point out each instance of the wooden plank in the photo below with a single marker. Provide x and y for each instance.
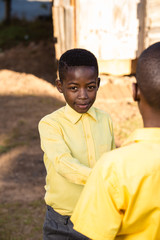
(69, 27)
(87, 24)
(152, 22)
(61, 3)
(109, 29)
(62, 39)
(63, 26)
(141, 15)
(58, 25)
(117, 67)
(72, 2)
(56, 35)
(74, 5)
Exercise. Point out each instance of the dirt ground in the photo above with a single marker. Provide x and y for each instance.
(26, 95)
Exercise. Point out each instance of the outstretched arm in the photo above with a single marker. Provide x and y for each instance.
(57, 151)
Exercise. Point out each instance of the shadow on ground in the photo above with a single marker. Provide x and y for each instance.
(22, 172)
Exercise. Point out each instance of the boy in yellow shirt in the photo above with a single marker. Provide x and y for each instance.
(121, 199)
(73, 138)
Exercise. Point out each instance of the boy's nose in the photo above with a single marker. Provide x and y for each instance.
(83, 94)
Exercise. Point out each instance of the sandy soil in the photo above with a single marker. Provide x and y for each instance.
(26, 95)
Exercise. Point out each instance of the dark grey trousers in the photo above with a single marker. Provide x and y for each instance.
(59, 227)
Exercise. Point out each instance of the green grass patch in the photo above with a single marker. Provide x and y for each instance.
(4, 149)
(9, 143)
(21, 31)
(20, 135)
(22, 221)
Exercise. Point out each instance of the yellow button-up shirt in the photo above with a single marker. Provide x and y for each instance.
(72, 143)
(121, 199)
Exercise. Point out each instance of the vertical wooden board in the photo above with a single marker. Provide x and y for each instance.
(62, 29)
(108, 28)
(69, 27)
(56, 30)
(63, 22)
(74, 4)
(153, 22)
(87, 25)
(119, 35)
(58, 21)
(141, 15)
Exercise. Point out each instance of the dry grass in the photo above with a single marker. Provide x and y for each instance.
(20, 221)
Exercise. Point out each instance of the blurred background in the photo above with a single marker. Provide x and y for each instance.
(33, 35)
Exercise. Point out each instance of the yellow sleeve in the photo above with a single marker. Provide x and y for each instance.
(96, 215)
(57, 151)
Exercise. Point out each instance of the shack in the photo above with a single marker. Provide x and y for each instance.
(115, 31)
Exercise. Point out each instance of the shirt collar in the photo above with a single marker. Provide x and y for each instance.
(74, 116)
(144, 134)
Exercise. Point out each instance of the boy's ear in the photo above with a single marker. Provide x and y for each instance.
(58, 84)
(98, 81)
(135, 92)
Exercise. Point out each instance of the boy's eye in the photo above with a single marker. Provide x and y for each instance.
(73, 88)
(91, 87)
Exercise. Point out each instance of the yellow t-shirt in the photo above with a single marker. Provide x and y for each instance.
(72, 143)
(121, 199)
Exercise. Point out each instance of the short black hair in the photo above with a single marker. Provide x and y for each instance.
(148, 75)
(76, 57)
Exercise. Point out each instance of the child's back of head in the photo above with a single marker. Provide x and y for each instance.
(148, 75)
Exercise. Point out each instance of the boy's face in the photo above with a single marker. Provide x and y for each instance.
(79, 87)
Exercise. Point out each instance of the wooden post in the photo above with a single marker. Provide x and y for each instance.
(73, 4)
(7, 11)
(63, 24)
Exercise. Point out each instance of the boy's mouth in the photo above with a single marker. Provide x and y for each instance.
(82, 106)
